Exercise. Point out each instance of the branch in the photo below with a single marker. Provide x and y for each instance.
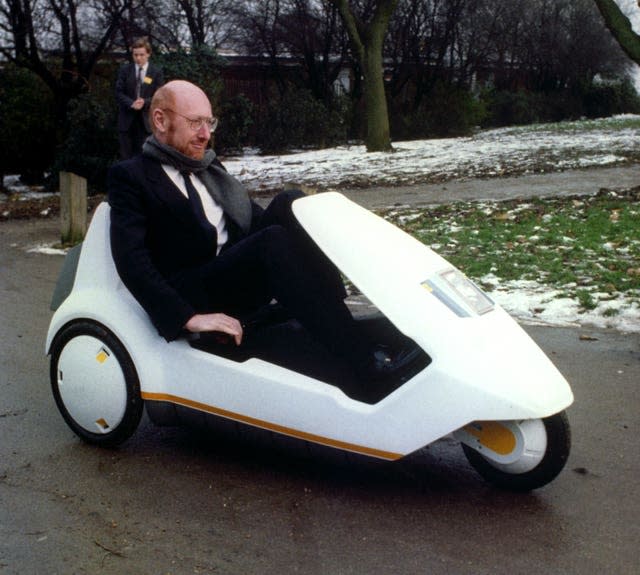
(620, 26)
(354, 28)
(99, 49)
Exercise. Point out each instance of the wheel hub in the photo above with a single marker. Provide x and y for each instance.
(92, 385)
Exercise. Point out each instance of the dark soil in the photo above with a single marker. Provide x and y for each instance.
(14, 207)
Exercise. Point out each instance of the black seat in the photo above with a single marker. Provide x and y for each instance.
(272, 336)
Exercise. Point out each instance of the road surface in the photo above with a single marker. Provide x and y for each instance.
(170, 501)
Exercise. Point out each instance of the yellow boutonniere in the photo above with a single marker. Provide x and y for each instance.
(148, 80)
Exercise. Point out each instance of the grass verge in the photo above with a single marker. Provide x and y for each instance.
(585, 248)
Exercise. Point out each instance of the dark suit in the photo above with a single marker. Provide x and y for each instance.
(164, 259)
(133, 125)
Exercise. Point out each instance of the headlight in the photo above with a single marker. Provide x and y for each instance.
(458, 293)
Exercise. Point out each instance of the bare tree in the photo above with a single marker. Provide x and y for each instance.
(307, 31)
(206, 21)
(177, 24)
(312, 31)
(366, 23)
(60, 41)
(156, 20)
(257, 29)
(423, 45)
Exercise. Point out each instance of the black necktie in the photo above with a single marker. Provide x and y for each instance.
(139, 82)
(198, 209)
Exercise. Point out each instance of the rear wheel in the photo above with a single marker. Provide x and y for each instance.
(95, 384)
(518, 455)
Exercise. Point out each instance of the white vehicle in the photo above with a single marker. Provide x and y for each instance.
(482, 379)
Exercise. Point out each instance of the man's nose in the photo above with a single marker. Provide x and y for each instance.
(204, 132)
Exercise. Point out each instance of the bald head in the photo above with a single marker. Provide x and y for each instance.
(179, 95)
(173, 106)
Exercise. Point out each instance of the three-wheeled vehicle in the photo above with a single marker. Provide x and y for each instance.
(482, 378)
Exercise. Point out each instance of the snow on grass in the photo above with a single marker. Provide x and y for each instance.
(535, 303)
(490, 153)
(551, 260)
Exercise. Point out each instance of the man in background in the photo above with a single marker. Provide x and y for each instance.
(136, 84)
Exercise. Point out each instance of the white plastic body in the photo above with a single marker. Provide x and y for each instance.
(484, 366)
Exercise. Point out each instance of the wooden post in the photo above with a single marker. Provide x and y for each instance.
(73, 207)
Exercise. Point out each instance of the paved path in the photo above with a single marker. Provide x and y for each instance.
(572, 182)
(172, 502)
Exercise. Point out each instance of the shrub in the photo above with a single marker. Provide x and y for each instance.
(603, 99)
(235, 122)
(91, 145)
(590, 99)
(200, 66)
(27, 125)
(447, 111)
(297, 120)
(505, 108)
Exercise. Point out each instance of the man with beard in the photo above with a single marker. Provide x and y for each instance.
(199, 255)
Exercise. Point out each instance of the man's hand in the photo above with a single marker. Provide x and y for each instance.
(215, 322)
(138, 104)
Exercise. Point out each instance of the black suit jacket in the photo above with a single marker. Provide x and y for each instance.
(126, 93)
(154, 236)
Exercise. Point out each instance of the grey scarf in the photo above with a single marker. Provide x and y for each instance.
(223, 187)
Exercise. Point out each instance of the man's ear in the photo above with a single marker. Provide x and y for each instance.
(159, 120)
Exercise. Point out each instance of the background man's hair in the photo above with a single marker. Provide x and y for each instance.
(142, 42)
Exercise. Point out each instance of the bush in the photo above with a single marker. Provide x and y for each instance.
(200, 66)
(235, 122)
(609, 98)
(591, 99)
(27, 124)
(505, 108)
(447, 111)
(92, 142)
(298, 120)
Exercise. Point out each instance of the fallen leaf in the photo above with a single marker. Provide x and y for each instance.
(584, 337)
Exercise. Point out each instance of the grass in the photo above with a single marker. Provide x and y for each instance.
(584, 248)
(610, 124)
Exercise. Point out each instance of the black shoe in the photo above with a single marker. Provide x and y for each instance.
(382, 367)
(383, 372)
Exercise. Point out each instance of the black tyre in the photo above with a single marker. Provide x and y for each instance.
(551, 461)
(95, 384)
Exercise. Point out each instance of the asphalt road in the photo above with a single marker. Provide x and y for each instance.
(171, 501)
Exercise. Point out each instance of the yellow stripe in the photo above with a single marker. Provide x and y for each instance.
(493, 435)
(389, 455)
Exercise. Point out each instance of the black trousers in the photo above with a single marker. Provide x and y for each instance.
(278, 260)
(132, 139)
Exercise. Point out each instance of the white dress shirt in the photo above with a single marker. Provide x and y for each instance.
(212, 209)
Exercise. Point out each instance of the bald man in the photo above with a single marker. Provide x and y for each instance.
(199, 255)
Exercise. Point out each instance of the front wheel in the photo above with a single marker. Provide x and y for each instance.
(95, 383)
(518, 455)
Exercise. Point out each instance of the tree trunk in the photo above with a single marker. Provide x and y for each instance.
(620, 27)
(367, 40)
(377, 135)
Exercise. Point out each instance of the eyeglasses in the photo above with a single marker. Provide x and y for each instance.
(195, 124)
